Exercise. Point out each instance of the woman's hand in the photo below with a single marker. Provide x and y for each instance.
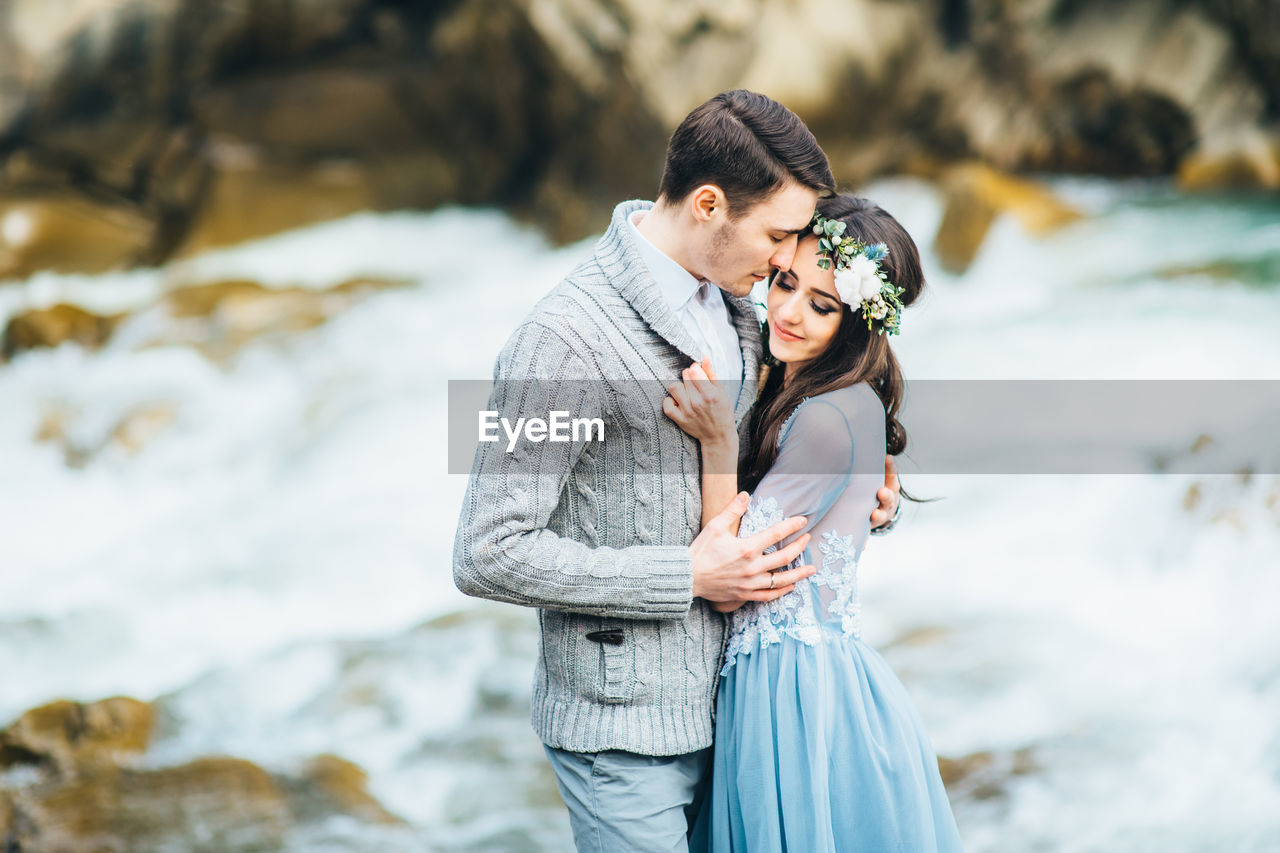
(726, 606)
(700, 406)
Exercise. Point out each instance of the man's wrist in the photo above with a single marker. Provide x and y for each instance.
(695, 592)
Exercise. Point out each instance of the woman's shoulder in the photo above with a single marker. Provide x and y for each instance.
(849, 401)
(857, 396)
(832, 419)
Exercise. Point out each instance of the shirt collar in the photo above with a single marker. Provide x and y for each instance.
(675, 282)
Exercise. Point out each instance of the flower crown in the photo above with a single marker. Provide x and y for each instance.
(861, 283)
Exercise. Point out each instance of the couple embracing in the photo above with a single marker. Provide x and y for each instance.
(701, 682)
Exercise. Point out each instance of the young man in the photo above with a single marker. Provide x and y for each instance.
(604, 539)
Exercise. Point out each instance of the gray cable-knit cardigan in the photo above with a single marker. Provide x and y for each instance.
(596, 534)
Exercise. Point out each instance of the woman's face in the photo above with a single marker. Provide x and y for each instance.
(804, 310)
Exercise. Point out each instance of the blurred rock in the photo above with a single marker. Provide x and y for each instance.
(218, 318)
(221, 318)
(1253, 27)
(197, 124)
(976, 195)
(70, 737)
(965, 221)
(66, 233)
(333, 785)
(81, 798)
(1252, 269)
(1100, 126)
(316, 112)
(1251, 163)
(211, 804)
(328, 107)
(49, 327)
(985, 775)
(244, 199)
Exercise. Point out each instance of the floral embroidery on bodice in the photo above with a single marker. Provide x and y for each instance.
(830, 595)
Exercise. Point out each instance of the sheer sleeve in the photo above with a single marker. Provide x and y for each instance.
(815, 461)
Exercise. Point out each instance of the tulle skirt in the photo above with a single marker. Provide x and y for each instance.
(819, 748)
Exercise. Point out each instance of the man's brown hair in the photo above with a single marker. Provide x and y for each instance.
(746, 144)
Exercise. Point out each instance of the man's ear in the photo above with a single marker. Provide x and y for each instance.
(708, 202)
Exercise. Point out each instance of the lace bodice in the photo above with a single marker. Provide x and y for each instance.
(830, 465)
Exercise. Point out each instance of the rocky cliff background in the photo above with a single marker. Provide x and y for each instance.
(133, 131)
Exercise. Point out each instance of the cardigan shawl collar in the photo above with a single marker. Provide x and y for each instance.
(623, 266)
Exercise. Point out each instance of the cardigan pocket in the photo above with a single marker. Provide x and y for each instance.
(626, 660)
(618, 677)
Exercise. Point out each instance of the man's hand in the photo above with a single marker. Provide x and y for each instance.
(726, 606)
(889, 495)
(729, 569)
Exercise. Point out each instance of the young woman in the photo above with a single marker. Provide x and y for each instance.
(818, 746)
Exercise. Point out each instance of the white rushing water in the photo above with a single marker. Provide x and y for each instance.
(275, 565)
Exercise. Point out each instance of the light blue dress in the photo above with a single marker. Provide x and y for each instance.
(818, 746)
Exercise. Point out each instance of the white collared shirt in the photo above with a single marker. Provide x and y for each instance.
(699, 305)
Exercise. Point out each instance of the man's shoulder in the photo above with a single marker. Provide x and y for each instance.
(596, 289)
(582, 299)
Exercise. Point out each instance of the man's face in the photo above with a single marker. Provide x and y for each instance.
(739, 253)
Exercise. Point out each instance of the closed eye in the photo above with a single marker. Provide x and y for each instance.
(781, 283)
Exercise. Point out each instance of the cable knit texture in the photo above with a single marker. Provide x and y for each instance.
(596, 534)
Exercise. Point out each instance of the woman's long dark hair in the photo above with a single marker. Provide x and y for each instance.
(854, 355)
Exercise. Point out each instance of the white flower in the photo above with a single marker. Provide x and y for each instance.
(858, 282)
(862, 266)
(848, 285)
(868, 282)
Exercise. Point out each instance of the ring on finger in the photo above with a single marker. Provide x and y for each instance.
(772, 579)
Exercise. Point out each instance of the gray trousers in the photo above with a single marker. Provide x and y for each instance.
(620, 801)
